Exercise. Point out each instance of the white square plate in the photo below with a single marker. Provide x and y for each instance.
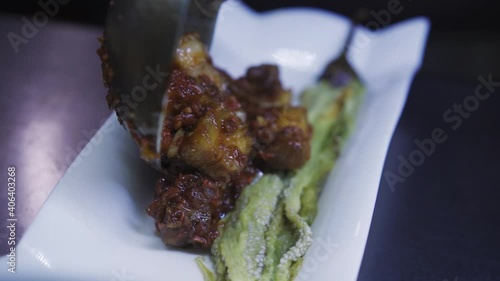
(94, 225)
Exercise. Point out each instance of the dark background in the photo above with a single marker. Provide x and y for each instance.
(446, 14)
(443, 222)
(458, 27)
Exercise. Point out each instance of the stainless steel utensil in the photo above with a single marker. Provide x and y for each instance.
(141, 37)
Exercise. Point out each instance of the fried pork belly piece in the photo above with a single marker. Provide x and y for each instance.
(281, 132)
(282, 137)
(188, 206)
(192, 57)
(261, 88)
(187, 209)
(202, 128)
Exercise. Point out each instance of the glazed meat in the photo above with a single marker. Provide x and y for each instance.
(202, 128)
(261, 88)
(188, 206)
(187, 209)
(192, 57)
(281, 137)
(280, 131)
(217, 135)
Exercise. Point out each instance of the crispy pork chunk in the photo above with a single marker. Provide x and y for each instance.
(202, 127)
(280, 131)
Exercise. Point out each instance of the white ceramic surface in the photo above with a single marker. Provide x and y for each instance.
(94, 225)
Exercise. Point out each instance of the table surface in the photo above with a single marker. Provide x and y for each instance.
(441, 223)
